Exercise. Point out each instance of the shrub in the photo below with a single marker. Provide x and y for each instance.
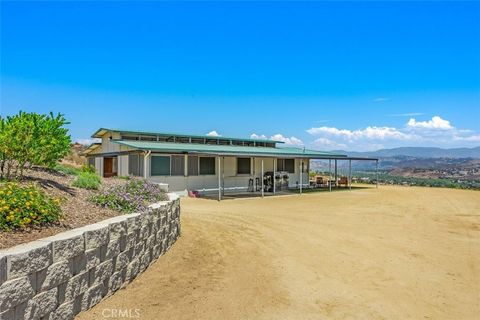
(28, 139)
(88, 168)
(66, 169)
(134, 195)
(22, 206)
(87, 180)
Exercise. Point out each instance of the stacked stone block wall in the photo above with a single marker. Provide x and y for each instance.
(60, 276)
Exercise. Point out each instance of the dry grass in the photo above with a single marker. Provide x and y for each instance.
(391, 253)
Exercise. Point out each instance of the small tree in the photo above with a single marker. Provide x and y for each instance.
(28, 139)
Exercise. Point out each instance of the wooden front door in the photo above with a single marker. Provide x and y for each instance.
(108, 168)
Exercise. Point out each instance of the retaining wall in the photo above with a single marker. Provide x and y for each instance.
(59, 276)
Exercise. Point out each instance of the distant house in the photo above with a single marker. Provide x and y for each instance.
(203, 163)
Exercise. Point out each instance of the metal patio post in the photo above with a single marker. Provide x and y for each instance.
(350, 174)
(330, 174)
(219, 180)
(261, 178)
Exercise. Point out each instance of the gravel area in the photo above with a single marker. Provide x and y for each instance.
(77, 210)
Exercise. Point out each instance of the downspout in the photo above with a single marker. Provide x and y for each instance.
(145, 161)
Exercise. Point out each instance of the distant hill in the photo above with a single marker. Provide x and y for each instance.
(419, 152)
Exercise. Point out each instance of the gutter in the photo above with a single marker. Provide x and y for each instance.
(145, 161)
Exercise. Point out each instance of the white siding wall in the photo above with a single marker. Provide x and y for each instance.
(109, 146)
(99, 166)
(229, 179)
(122, 169)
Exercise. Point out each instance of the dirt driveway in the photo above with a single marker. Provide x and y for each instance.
(391, 253)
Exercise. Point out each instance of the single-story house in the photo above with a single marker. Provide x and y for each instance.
(204, 164)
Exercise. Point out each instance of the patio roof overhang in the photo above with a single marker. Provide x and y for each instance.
(229, 150)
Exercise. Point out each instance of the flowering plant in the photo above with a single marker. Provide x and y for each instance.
(135, 195)
(22, 206)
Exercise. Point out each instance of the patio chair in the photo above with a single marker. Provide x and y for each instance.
(319, 182)
(343, 181)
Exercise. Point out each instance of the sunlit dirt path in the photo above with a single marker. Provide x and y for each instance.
(391, 253)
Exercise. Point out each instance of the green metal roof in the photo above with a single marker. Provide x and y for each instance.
(226, 149)
(98, 135)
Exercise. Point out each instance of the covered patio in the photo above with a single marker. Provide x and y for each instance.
(273, 182)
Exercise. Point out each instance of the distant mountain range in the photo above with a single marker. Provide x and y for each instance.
(418, 152)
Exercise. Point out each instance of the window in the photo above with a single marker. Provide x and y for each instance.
(207, 165)
(178, 165)
(290, 165)
(280, 165)
(287, 165)
(243, 166)
(193, 165)
(91, 161)
(160, 166)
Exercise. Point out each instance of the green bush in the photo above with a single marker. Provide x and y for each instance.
(66, 169)
(28, 139)
(135, 195)
(87, 180)
(88, 168)
(23, 206)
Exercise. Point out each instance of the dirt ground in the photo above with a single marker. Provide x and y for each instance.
(391, 253)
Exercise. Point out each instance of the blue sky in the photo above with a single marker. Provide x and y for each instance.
(352, 75)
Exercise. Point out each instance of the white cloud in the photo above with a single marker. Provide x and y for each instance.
(279, 137)
(379, 133)
(290, 141)
(474, 138)
(380, 99)
(88, 141)
(328, 144)
(213, 134)
(436, 123)
(256, 136)
(434, 132)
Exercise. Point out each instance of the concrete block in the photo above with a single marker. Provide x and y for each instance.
(123, 243)
(14, 292)
(93, 258)
(76, 286)
(139, 248)
(7, 315)
(3, 268)
(96, 235)
(118, 229)
(27, 258)
(52, 276)
(39, 306)
(122, 261)
(66, 245)
(145, 260)
(133, 269)
(115, 282)
(112, 249)
(101, 272)
(150, 242)
(133, 222)
(131, 239)
(77, 304)
(79, 263)
(156, 251)
(63, 312)
(144, 232)
(92, 296)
